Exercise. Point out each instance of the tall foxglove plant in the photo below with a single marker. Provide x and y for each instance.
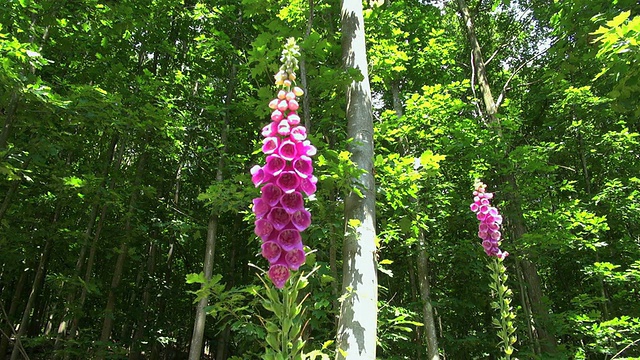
(286, 175)
(489, 231)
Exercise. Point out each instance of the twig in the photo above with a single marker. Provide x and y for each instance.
(517, 70)
(17, 342)
(625, 348)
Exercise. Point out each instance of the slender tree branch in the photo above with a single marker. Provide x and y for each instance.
(625, 348)
(17, 343)
(504, 45)
(518, 69)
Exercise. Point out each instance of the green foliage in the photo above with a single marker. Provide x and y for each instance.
(284, 333)
(619, 41)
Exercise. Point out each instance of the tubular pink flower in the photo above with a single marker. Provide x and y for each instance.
(270, 144)
(303, 166)
(263, 228)
(299, 133)
(288, 181)
(293, 105)
(273, 104)
(279, 274)
(271, 251)
(292, 202)
(301, 219)
(293, 119)
(271, 194)
(284, 128)
(282, 105)
(276, 115)
(305, 148)
(287, 150)
(260, 207)
(269, 130)
(258, 176)
(289, 239)
(275, 165)
(295, 258)
(308, 185)
(279, 218)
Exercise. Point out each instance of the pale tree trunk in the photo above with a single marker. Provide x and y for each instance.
(333, 267)
(35, 289)
(425, 293)
(107, 325)
(514, 209)
(195, 348)
(356, 335)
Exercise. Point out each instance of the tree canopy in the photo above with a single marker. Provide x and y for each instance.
(129, 130)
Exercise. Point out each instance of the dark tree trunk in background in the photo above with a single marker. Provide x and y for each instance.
(514, 209)
(431, 334)
(35, 289)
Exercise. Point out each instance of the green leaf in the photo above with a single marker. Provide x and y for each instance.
(196, 278)
(616, 21)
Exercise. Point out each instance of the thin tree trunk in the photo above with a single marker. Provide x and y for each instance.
(107, 325)
(413, 285)
(12, 110)
(395, 96)
(478, 63)
(8, 198)
(155, 348)
(526, 306)
(356, 334)
(425, 294)
(15, 301)
(88, 273)
(138, 335)
(35, 289)
(515, 220)
(195, 348)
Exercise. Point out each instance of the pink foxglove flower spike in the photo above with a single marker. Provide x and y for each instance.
(286, 175)
(490, 221)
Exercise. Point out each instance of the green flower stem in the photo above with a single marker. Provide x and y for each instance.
(284, 331)
(504, 320)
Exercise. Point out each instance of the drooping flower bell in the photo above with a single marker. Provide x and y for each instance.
(285, 176)
(490, 221)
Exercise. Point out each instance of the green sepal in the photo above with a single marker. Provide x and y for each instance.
(273, 341)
